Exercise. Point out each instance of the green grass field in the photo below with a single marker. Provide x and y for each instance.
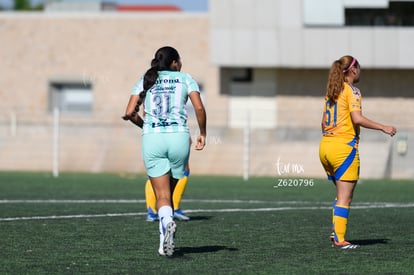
(95, 224)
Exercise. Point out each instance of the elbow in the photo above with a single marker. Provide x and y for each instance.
(200, 111)
(357, 118)
(357, 121)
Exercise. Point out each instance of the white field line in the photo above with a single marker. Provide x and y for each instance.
(104, 201)
(108, 201)
(355, 206)
(121, 201)
(70, 201)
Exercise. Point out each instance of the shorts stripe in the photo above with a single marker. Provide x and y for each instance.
(345, 165)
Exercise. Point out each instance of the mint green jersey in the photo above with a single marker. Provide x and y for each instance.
(165, 102)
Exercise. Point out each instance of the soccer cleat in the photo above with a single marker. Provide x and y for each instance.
(180, 215)
(161, 251)
(345, 245)
(151, 216)
(169, 241)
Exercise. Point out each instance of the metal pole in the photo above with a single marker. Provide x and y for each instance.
(246, 156)
(56, 142)
(13, 124)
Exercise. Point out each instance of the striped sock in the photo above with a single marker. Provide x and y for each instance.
(150, 199)
(179, 190)
(333, 208)
(341, 213)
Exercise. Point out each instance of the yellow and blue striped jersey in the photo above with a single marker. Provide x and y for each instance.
(338, 122)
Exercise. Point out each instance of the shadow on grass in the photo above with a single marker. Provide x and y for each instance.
(370, 241)
(200, 218)
(201, 249)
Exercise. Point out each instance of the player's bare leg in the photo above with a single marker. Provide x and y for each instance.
(344, 194)
(163, 187)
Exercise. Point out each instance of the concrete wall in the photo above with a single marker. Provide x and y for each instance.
(266, 33)
(111, 51)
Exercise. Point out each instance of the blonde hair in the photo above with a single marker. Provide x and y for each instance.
(339, 69)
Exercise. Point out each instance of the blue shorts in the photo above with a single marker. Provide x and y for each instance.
(165, 152)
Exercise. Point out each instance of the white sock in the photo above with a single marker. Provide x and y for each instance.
(165, 215)
(161, 234)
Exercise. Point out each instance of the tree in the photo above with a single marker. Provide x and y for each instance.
(25, 5)
(22, 5)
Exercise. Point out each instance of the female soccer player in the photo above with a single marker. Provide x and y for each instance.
(150, 199)
(338, 151)
(163, 91)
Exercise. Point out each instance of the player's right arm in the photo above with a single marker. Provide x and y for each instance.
(131, 114)
(323, 122)
(137, 120)
(130, 109)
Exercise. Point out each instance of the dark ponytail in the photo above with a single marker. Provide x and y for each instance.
(161, 62)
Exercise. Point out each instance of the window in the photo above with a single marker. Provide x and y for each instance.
(397, 14)
(71, 97)
(242, 74)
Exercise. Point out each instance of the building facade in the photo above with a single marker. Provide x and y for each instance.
(262, 67)
(274, 58)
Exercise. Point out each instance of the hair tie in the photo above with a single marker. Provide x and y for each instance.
(350, 66)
